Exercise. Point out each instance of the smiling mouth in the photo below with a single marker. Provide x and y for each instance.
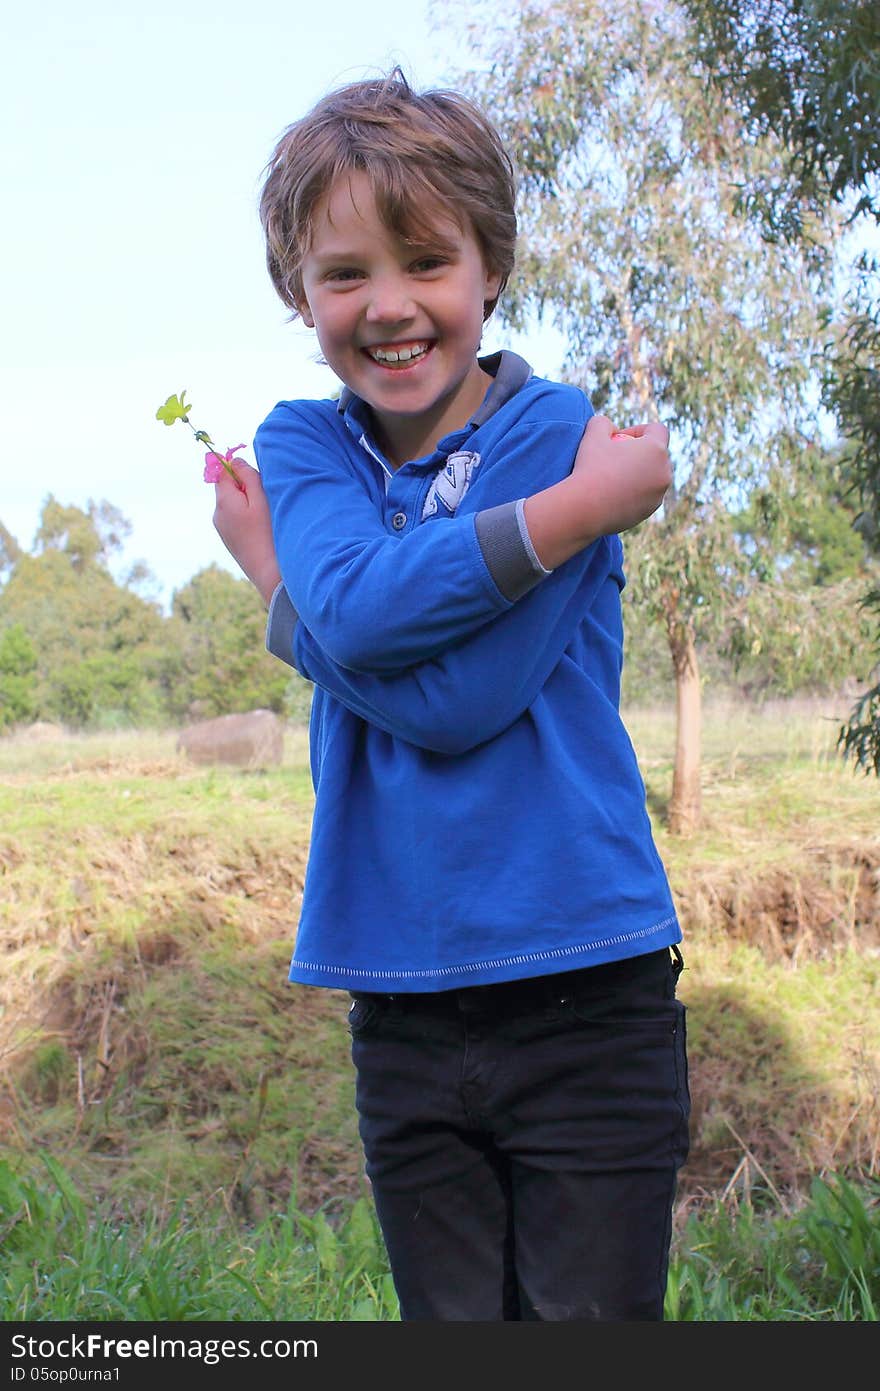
(398, 355)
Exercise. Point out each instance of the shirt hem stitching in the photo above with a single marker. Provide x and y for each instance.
(468, 968)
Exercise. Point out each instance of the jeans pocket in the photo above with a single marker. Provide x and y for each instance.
(361, 1013)
(638, 992)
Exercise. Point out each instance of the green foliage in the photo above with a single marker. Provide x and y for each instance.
(812, 538)
(82, 649)
(807, 624)
(86, 538)
(828, 546)
(854, 391)
(51, 1065)
(809, 70)
(97, 644)
(297, 698)
(62, 1263)
(18, 677)
(10, 551)
(216, 660)
(672, 306)
(819, 1263)
(859, 738)
(105, 690)
(783, 639)
(842, 1233)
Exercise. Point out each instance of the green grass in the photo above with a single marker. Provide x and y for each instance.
(62, 1264)
(771, 777)
(819, 1264)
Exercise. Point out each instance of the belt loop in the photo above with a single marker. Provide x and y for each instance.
(678, 963)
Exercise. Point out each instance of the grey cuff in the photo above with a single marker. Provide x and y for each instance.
(507, 549)
(281, 625)
(527, 540)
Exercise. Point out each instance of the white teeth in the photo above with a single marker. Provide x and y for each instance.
(398, 354)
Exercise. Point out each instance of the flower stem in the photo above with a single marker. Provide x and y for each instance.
(204, 438)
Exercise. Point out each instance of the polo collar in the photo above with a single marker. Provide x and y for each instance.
(509, 371)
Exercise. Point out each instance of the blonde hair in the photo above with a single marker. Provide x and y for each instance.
(417, 149)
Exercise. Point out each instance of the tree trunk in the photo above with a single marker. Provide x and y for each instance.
(685, 804)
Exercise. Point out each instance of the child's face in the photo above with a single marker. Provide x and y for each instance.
(399, 324)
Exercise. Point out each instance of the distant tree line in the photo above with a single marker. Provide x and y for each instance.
(85, 649)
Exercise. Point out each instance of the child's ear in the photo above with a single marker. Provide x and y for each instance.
(494, 280)
(305, 312)
(493, 284)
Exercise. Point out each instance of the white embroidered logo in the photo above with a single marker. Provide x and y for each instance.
(452, 482)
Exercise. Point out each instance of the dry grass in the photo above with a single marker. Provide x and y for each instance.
(149, 1038)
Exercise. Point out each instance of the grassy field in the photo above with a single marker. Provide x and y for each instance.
(160, 1077)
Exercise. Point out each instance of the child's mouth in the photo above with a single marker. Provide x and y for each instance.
(398, 356)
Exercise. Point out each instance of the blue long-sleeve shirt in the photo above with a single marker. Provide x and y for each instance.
(479, 813)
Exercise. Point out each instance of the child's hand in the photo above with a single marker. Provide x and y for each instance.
(241, 517)
(626, 473)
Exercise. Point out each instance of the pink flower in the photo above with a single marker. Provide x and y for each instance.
(215, 463)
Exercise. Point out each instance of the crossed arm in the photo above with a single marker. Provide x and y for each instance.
(469, 683)
(471, 692)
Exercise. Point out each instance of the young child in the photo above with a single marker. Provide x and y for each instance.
(482, 876)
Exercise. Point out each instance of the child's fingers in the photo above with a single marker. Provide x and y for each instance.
(243, 469)
(245, 476)
(655, 431)
(651, 430)
(599, 425)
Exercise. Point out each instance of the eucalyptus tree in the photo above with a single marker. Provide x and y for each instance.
(670, 304)
(809, 71)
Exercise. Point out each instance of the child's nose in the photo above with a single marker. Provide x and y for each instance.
(391, 301)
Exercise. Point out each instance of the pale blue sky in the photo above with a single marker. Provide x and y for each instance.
(131, 247)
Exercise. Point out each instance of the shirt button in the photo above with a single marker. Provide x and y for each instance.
(398, 520)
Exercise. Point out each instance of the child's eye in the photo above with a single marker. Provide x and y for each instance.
(428, 263)
(344, 273)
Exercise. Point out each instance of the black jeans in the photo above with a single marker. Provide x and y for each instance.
(523, 1141)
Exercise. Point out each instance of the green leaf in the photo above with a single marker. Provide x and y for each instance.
(326, 1244)
(175, 408)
